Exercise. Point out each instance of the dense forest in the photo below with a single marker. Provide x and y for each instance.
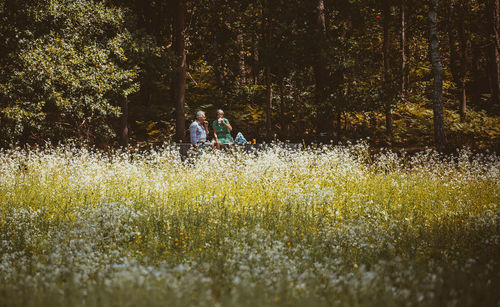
(404, 73)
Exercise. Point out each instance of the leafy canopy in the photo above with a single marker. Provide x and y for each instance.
(68, 69)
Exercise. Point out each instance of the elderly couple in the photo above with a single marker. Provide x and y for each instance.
(199, 130)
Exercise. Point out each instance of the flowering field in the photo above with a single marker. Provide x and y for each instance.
(329, 226)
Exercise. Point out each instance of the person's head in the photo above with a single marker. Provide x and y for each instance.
(220, 113)
(200, 116)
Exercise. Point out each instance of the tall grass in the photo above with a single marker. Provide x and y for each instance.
(324, 226)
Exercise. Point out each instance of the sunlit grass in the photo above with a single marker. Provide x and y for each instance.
(324, 226)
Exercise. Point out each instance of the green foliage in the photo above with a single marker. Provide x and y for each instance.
(479, 130)
(69, 70)
(68, 65)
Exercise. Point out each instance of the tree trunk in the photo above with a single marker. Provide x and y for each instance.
(269, 102)
(463, 64)
(387, 77)
(404, 69)
(324, 117)
(458, 54)
(179, 45)
(439, 133)
(476, 74)
(338, 121)
(495, 27)
(255, 61)
(283, 119)
(123, 139)
(241, 59)
(463, 102)
(219, 79)
(268, 34)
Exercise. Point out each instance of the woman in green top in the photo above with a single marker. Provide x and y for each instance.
(222, 130)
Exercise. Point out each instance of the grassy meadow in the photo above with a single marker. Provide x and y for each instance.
(329, 226)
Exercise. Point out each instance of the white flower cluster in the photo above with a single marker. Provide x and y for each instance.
(331, 225)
